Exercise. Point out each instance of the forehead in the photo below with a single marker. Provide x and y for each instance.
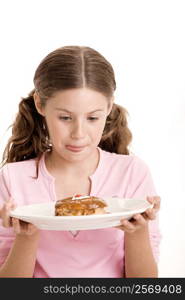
(78, 99)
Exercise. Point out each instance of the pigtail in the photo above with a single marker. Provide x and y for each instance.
(116, 135)
(29, 133)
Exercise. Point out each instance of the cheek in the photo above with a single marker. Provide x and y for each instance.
(56, 129)
(101, 126)
(96, 134)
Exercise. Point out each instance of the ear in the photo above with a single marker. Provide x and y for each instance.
(38, 104)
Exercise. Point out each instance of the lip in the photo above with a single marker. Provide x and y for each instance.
(75, 148)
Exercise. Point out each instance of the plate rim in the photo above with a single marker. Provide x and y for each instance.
(86, 217)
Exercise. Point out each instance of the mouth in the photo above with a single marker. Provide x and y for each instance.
(75, 148)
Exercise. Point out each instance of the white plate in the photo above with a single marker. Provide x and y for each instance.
(42, 215)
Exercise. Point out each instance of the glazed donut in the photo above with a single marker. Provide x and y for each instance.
(79, 205)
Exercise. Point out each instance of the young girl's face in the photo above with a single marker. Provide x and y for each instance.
(76, 117)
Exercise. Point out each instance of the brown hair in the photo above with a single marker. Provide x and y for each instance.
(66, 68)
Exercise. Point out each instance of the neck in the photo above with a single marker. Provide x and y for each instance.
(58, 166)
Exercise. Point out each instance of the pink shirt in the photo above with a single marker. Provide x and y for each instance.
(92, 253)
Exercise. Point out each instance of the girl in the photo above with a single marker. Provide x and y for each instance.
(69, 137)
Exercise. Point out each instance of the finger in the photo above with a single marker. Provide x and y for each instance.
(123, 228)
(7, 222)
(150, 199)
(28, 228)
(11, 205)
(10, 221)
(150, 213)
(127, 225)
(139, 220)
(5, 216)
(157, 203)
(23, 226)
(16, 225)
(123, 225)
(155, 200)
(31, 229)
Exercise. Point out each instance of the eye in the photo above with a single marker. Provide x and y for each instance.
(93, 118)
(64, 118)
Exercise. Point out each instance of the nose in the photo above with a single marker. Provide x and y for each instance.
(78, 130)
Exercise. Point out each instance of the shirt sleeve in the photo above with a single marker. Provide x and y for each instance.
(141, 186)
(7, 235)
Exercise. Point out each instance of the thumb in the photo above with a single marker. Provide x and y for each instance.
(11, 203)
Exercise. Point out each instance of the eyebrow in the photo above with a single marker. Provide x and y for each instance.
(72, 112)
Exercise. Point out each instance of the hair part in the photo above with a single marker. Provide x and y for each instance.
(66, 68)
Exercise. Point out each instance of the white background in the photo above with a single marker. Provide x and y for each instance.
(145, 42)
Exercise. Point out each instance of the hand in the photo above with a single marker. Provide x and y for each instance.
(140, 221)
(4, 213)
(22, 228)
